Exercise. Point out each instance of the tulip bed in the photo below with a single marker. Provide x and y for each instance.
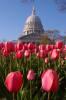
(30, 71)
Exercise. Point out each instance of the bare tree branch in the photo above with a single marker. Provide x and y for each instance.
(61, 4)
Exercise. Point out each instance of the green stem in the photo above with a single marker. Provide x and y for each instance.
(38, 65)
(18, 97)
(13, 97)
(10, 63)
(30, 60)
(48, 95)
(43, 65)
(30, 92)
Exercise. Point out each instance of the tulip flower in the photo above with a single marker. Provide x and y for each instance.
(9, 46)
(19, 55)
(31, 75)
(49, 80)
(54, 54)
(42, 47)
(31, 46)
(48, 47)
(42, 53)
(25, 46)
(1, 46)
(59, 44)
(14, 81)
(18, 46)
(27, 53)
(5, 53)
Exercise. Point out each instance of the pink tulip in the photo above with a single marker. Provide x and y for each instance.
(14, 81)
(49, 80)
(59, 44)
(31, 75)
(42, 47)
(27, 53)
(54, 54)
(19, 55)
(43, 53)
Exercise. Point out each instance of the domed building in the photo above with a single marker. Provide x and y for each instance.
(33, 24)
(33, 29)
(34, 32)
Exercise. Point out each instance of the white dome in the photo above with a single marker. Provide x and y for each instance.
(33, 24)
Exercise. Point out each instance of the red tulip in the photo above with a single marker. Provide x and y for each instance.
(59, 44)
(9, 46)
(31, 46)
(48, 47)
(5, 52)
(31, 75)
(14, 81)
(54, 54)
(18, 46)
(27, 53)
(52, 46)
(64, 49)
(1, 46)
(49, 80)
(25, 46)
(19, 55)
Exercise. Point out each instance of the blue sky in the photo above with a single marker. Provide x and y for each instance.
(13, 15)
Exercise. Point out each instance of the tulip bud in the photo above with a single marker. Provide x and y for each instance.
(14, 81)
(46, 60)
(31, 75)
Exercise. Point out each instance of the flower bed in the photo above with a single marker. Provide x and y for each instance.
(31, 71)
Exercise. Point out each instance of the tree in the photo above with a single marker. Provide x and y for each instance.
(45, 40)
(61, 4)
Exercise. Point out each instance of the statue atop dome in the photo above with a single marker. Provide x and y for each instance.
(33, 11)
